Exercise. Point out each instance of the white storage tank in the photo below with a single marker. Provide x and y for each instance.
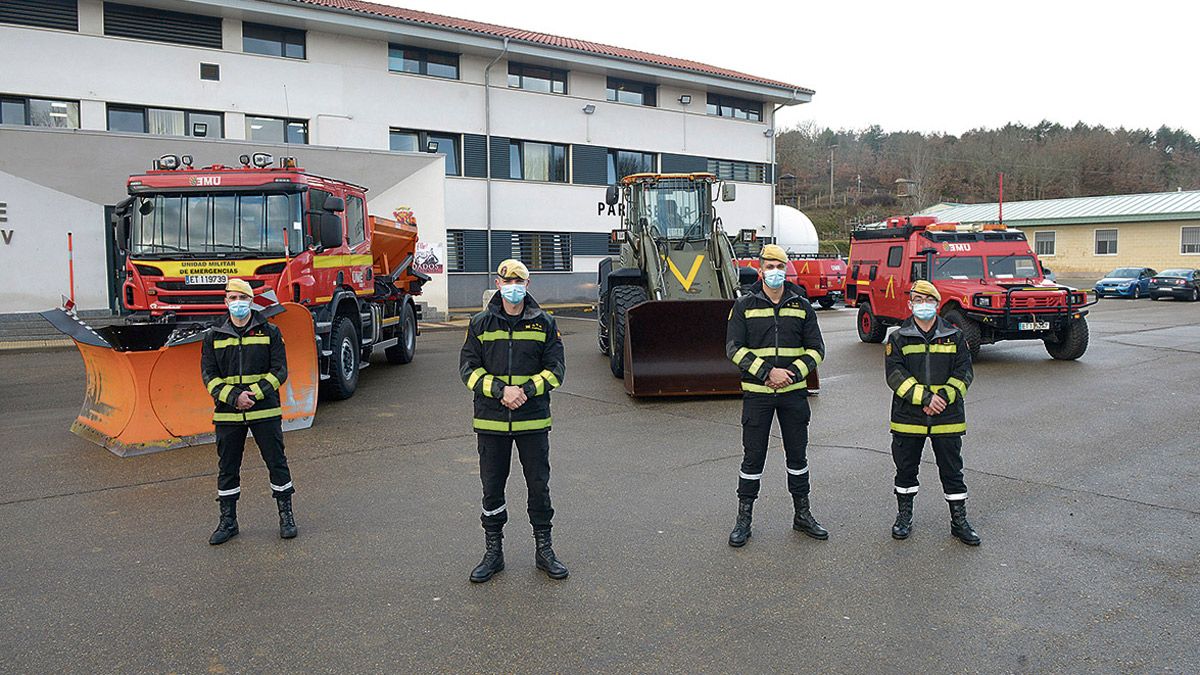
(794, 231)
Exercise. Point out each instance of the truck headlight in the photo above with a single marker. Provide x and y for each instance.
(983, 301)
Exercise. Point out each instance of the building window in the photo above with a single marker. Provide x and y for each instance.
(60, 14)
(623, 163)
(1043, 243)
(210, 71)
(543, 251)
(455, 253)
(737, 108)
(422, 62)
(536, 78)
(628, 91)
(745, 172)
(1189, 241)
(276, 130)
(160, 25)
(1106, 242)
(258, 38)
(165, 122)
(39, 112)
(537, 161)
(408, 140)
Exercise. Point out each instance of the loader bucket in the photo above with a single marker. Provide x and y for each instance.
(144, 392)
(677, 348)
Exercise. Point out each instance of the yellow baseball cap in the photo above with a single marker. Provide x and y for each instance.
(512, 269)
(239, 286)
(773, 252)
(925, 288)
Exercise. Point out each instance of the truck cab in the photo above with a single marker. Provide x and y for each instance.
(992, 285)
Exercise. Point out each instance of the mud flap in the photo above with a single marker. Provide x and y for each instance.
(677, 348)
(143, 398)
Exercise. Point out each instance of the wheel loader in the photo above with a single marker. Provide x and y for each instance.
(665, 301)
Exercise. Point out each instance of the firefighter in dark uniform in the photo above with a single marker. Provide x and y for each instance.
(774, 339)
(512, 359)
(244, 364)
(929, 369)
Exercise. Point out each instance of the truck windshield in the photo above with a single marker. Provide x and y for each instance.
(1012, 267)
(245, 224)
(676, 209)
(958, 267)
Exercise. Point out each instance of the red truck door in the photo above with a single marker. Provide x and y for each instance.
(889, 285)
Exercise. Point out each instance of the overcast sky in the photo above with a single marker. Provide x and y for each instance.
(911, 65)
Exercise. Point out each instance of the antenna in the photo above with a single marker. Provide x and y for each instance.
(1001, 198)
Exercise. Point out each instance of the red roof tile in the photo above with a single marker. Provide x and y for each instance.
(493, 30)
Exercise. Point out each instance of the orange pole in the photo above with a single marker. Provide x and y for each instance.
(71, 265)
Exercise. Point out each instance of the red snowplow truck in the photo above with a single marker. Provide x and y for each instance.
(339, 284)
(991, 283)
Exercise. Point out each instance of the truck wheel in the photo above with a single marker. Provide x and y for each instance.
(343, 364)
(825, 302)
(403, 351)
(602, 336)
(1072, 342)
(969, 328)
(869, 327)
(623, 298)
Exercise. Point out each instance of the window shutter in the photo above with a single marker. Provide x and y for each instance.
(683, 164)
(161, 25)
(474, 156)
(590, 164)
(500, 157)
(60, 14)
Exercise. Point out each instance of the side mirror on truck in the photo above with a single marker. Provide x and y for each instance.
(331, 230)
(612, 195)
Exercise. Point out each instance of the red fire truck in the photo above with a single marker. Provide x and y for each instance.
(992, 285)
(822, 276)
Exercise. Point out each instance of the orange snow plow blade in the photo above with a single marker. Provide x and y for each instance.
(144, 391)
(677, 348)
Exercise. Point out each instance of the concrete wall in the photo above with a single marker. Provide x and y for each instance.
(1155, 245)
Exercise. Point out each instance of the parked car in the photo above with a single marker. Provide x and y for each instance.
(1125, 282)
(1182, 284)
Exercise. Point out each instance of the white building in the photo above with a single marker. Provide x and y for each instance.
(564, 117)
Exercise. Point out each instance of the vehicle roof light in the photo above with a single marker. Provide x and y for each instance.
(262, 160)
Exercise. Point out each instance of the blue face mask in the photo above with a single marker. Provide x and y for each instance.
(924, 310)
(513, 293)
(239, 309)
(774, 278)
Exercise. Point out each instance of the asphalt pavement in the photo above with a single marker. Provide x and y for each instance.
(1083, 480)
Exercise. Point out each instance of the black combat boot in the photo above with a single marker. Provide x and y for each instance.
(741, 529)
(903, 526)
(493, 558)
(287, 523)
(545, 559)
(804, 521)
(226, 529)
(959, 527)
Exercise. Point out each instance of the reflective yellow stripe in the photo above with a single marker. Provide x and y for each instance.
(492, 335)
(798, 313)
(918, 394)
(905, 386)
(958, 384)
(522, 425)
(272, 380)
(539, 385)
(910, 428)
(212, 384)
(814, 355)
(801, 366)
(551, 378)
(948, 393)
(757, 364)
(225, 392)
(228, 417)
(912, 349)
(326, 261)
(515, 380)
(257, 391)
(763, 389)
(488, 382)
(943, 349)
(227, 342)
(948, 428)
(760, 313)
(781, 351)
(474, 378)
(739, 355)
(262, 414)
(233, 342)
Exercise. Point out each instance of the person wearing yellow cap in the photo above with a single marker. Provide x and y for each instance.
(511, 360)
(774, 339)
(928, 368)
(244, 364)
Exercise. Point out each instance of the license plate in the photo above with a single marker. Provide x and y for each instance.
(205, 279)
(1035, 325)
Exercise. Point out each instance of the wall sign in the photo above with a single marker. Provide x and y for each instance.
(5, 234)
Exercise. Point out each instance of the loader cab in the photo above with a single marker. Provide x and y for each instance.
(674, 207)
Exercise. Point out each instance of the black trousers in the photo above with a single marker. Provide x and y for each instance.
(758, 411)
(495, 458)
(231, 443)
(947, 450)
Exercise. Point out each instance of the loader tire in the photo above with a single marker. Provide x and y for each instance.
(344, 362)
(622, 299)
(970, 330)
(870, 328)
(404, 350)
(1071, 343)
